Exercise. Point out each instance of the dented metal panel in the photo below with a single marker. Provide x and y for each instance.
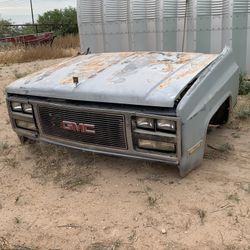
(139, 78)
(159, 25)
(145, 79)
(201, 102)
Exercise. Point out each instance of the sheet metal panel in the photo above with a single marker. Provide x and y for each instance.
(117, 78)
(166, 25)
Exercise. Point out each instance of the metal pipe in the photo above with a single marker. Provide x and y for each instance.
(32, 15)
(184, 28)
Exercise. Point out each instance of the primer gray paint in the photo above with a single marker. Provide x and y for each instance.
(141, 78)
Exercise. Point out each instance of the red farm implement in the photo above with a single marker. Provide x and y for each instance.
(30, 39)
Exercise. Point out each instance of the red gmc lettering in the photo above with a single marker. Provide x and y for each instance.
(81, 127)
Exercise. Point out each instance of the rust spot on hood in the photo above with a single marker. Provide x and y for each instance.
(172, 61)
(192, 68)
(88, 68)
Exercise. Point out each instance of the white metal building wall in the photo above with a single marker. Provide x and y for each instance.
(123, 25)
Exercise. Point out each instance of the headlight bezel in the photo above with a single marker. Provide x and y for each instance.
(23, 117)
(172, 128)
(170, 134)
(21, 107)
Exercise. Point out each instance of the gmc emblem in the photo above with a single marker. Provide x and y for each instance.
(80, 127)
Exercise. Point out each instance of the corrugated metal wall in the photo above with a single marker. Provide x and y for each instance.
(123, 25)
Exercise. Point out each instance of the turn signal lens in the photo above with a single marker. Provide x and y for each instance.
(156, 145)
(25, 125)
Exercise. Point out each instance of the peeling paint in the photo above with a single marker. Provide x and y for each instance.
(141, 78)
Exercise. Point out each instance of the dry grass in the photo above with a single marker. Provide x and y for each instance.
(105, 245)
(242, 112)
(5, 245)
(69, 41)
(234, 197)
(61, 166)
(244, 87)
(202, 214)
(4, 146)
(226, 147)
(62, 47)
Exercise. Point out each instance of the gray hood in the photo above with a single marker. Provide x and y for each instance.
(139, 78)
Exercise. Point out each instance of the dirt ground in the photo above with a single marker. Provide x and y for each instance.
(56, 198)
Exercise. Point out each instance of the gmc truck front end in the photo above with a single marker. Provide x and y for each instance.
(148, 105)
(91, 128)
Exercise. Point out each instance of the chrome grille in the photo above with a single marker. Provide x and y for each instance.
(109, 128)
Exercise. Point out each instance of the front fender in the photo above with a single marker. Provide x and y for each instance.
(217, 83)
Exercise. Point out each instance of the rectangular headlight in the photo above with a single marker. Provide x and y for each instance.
(27, 108)
(156, 145)
(16, 106)
(26, 125)
(142, 122)
(166, 125)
